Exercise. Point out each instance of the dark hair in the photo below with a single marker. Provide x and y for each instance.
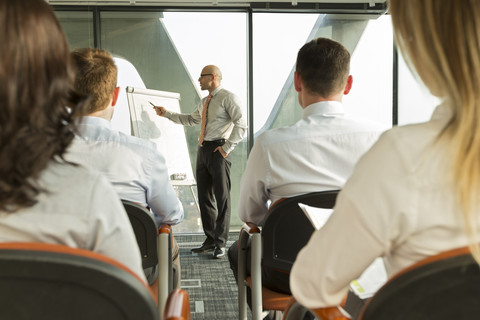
(96, 76)
(324, 66)
(37, 99)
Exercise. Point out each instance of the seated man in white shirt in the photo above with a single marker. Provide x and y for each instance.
(135, 168)
(317, 153)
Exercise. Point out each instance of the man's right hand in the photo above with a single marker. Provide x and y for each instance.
(160, 111)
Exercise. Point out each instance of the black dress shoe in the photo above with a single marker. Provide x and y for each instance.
(218, 252)
(204, 247)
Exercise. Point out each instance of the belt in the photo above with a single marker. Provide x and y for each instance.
(219, 142)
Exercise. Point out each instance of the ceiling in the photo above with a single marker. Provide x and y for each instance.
(213, 3)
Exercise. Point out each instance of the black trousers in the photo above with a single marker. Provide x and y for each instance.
(213, 185)
(274, 280)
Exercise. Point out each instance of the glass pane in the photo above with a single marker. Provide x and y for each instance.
(415, 103)
(277, 39)
(169, 51)
(78, 27)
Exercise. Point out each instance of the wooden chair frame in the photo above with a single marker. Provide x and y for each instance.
(177, 306)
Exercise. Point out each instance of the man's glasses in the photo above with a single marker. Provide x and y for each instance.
(206, 74)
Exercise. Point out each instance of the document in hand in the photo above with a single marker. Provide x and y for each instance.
(317, 216)
(372, 278)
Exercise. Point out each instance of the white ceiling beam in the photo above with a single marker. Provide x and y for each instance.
(202, 2)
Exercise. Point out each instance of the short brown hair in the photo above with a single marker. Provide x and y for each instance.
(324, 66)
(96, 76)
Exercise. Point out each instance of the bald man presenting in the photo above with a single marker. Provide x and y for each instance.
(222, 128)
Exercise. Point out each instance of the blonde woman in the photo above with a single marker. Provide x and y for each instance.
(414, 194)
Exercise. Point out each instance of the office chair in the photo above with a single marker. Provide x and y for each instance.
(444, 286)
(55, 282)
(156, 249)
(286, 230)
(177, 306)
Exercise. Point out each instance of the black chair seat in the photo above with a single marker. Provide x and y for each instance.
(448, 288)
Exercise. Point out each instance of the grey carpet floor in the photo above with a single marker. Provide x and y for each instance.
(209, 282)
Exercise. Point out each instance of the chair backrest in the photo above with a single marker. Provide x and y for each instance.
(287, 230)
(446, 286)
(145, 229)
(56, 282)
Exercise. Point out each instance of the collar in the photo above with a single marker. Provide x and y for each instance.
(324, 108)
(214, 92)
(94, 121)
(442, 111)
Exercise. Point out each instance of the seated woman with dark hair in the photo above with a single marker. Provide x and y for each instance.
(43, 198)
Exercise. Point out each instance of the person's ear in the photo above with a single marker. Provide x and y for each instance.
(348, 86)
(116, 92)
(297, 81)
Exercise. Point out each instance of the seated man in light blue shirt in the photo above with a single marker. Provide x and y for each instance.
(134, 166)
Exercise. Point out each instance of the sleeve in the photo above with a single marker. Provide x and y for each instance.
(191, 119)
(253, 198)
(232, 106)
(363, 227)
(161, 197)
(111, 232)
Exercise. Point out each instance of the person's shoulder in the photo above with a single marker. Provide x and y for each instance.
(225, 93)
(408, 144)
(363, 122)
(406, 134)
(64, 173)
(135, 141)
(113, 136)
(276, 135)
(74, 184)
(152, 157)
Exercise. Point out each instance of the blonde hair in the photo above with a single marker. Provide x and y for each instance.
(441, 40)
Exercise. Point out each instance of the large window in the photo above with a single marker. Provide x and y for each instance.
(167, 50)
(78, 27)
(277, 39)
(415, 103)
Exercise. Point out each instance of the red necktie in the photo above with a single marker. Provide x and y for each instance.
(204, 119)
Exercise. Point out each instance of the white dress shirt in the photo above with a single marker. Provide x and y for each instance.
(398, 204)
(80, 210)
(134, 166)
(224, 118)
(315, 154)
